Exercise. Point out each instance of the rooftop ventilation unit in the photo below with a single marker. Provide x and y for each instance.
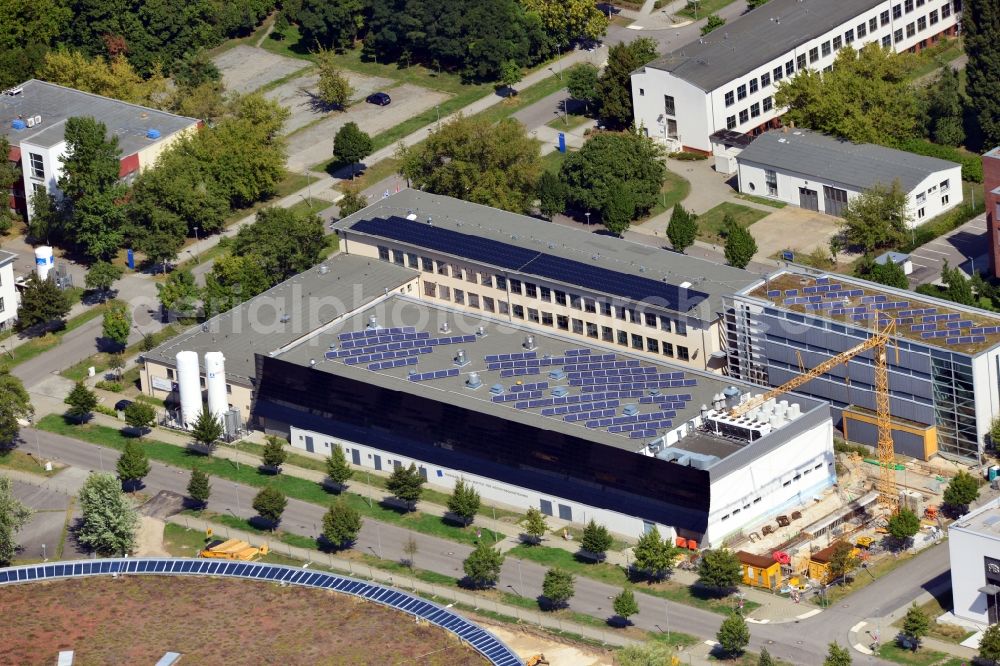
(324, 269)
(412, 373)
(445, 328)
(312, 361)
(529, 342)
(461, 359)
(473, 382)
(654, 392)
(559, 391)
(557, 374)
(411, 215)
(152, 134)
(685, 285)
(285, 318)
(372, 321)
(333, 346)
(497, 389)
(630, 410)
(481, 331)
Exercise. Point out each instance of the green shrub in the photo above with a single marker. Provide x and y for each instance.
(114, 387)
(972, 165)
(687, 156)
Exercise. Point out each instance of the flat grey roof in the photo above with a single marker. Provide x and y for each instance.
(311, 299)
(756, 38)
(55, 104)
(823, 157)
(524, 397)
(604, 251)
(6, 257)
(984, 520)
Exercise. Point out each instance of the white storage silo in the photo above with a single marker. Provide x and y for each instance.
(215, 382)
(189, 387)
(44, 261)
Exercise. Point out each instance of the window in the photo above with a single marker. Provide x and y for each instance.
(920, 3)
(680, 327)
(560, 297)
(170, 372)
(427, 264)
(486, 279)
(826, 49)
(753, 85)
(488, 304)
(668, 349)
(884, 18)
(897, 11)
(575, 302)
(682, 353)
(623, 338)
(934, 16)
(430, 289)
(838, 43)
(442, 268)
(908, 4)
(741, 92)
(778, 73)
(546, 319)
(789, 68)
(653, 345)
(945, 185)
(578, 326)
(445, 293)
(650, 319)
(530, 290)
(533, 315)
(397, 257)
(605, 308)
(765, 80)
(642, 92)
(730, 122)
(664, 323)
(545, 294)
(637, 342)
(471, 276)
(744, 116)
(898, 35)
(768, 103)
(945, 10)
(887, 42)
(668, 105)
(591, 330)
(920, 213)
(755, 109)
(411, 259)
(771, 180)
(921, 198)
(872, 24)
(861, 33)
(383, 253)
(518, 311)
(814, 54)
(473, 300)
(730, 98)
(37, 165)
(515, 286)
(607, 334)
(501, 282)
(589, 305)
(621, 312)
(911, 29)
(562, 322)
(922, 23)
(800, 61)
(944, 199)
(502, 307)
(459, 296)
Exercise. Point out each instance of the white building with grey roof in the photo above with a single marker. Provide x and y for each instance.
(726, 80)
(823, 173)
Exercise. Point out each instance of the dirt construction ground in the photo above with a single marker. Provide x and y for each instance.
(135, 620)
(526, 643)
(246, 68)
(794, 228)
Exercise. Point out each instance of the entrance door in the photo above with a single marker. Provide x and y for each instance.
(355, 456)
(309, 445)
(808, 199)
(834, 200)
(378, 462)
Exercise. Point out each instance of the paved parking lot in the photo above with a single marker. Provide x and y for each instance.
(247, 68)
(299, 96)
(966, 247)
(46, 524)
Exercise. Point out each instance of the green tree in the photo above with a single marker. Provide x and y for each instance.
(351, 145)
(989, 644)
(877, 217)
(551, 194)
(101, 276)
(568, 20)
(464, 502)
(682, 228)
(206, 430)
(13, 516)
(510, 75)
(981, 32)
(557, 588)
(653, 555)
(957, 288)
(338, 471)
(916, 624)
(837, 656)
(754, 4)
(618, 209)
(234, 279)
(117, 324)
(351, 202)
(995, 432)
(329, 24)
(15, 406)
(199, 489)
(476, 160)
(962, 490)
(282, 242)
(596, 539)
(341, 524)
(482, 566)
(140, 417)
(269, 504)
(111, 77)
(712, 22)
(903, 524)
(719, 570)
(740, 244)
(581, 82)
(534, 525)
(944, 107)
(333, 88)
(644, 654)
(765, 658)
(625, 605)
(109, 521)
(42, 304)
(81, 401)
(889, 273)
(46, 224)
(842, 561)
(132, 465)
(179, 293)
(406, 484)
(116, 362)
(274, 452)
(733, 635)
(614, 87)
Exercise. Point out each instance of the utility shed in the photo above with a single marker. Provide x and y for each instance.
(760, 570)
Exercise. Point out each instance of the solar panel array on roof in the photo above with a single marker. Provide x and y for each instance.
(375, 332)
(437, 374)
(966, 339)
(399, 362)
(512, 257)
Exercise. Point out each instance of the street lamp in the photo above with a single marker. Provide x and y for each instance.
(588, 217)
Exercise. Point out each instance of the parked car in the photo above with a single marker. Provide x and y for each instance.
(121, 405)
(380, 98)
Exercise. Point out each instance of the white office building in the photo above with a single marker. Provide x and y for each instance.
(8, 292)
(974, 549)
(727, 79)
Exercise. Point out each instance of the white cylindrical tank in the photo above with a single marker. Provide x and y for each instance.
(215, 382)
(44, 261)
(189, 387)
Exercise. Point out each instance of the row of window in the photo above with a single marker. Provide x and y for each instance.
(785, 484)
(754, 111)
(561, 322)
(529, 290)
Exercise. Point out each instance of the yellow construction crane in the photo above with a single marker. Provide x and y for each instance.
(879, 341)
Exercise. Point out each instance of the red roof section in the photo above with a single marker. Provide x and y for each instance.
(14, 154)
(129, 164)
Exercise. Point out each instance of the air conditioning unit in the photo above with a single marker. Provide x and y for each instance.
(38, 120)
(30, 122)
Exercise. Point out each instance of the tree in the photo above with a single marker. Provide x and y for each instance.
(980, 21)
(916, 624)
(719, 570)
(510, 75)
(625, 605)
(337, 468)
(557, 588)
(179, 293)
(282, 242)
(81, 401)
(482, 566)
(653, 555)
(333, 88)
(615, 172)
(944, 107)
(989, 644)
(351, 202)
(740, 244)
(114, 77)
(330, 24)
(410, 549)
(957, 287)
(754, 4)
(765, 658)
(837, 656)
(341, 524)
(351, 145)
(865, 98)
(962, 490)
(581, 81)
(13, 516)
(132, 465)
(406, 483)
(101, 276)
(476, 160)
(116, 362)
(269, 504)
(733, 635)
(117, 324)
(464, 502)
(46, 224)
(618, 209)
(842, 561)
(109, 521)
(206, 430)
(682, 228)
(568, 20)
(903, 525)
(551, 194)
(15, 406)
(596, 539)
(877, 217)
(888, 273)
(534, 525)
(614, 87)
(42, 303)
(140, 417)
(274, 452)
(199, 489)
(234, 279)
(713, 21)
(644, 654)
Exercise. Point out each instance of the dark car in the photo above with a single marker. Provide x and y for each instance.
(121, 405)
(380, 98)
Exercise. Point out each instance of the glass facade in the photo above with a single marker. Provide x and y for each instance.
(954, 403)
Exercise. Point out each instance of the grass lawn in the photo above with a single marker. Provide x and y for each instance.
(699, 9)
(525, 97)
(930, 60)
(945, 632)
(773, 203)
(370, 176)
(568, 122)
(710, 223)
(864, 577)
(302, 489)
(553, 161)
(892, 652)
(675, 189)
(101, 360)
(21, 461)
(35, 346)
(309, 207)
